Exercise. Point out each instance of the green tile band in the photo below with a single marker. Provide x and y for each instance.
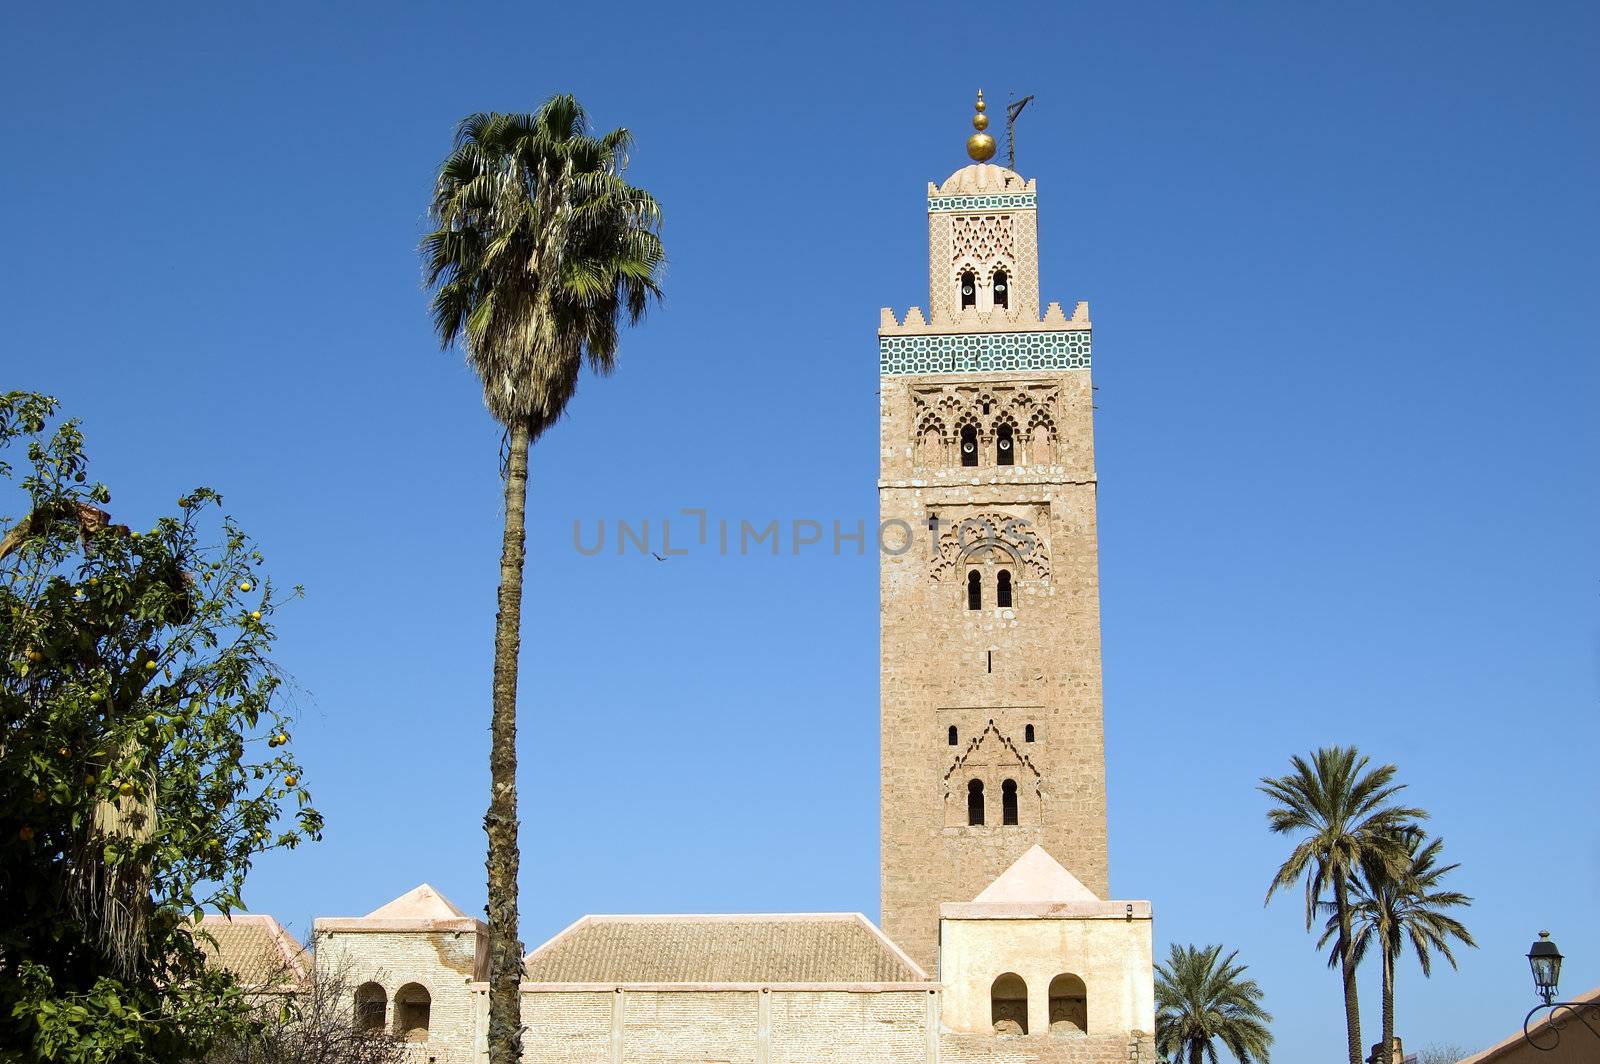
(1005, 201)
(983, 352)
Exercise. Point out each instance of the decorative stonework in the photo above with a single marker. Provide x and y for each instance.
(1013, 201)
(940, 411)
(980, 537)
(983, 239)
(983, 352)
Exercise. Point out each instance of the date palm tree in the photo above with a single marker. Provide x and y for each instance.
(1203, 998)
(1391, 910)
(1346, 820)
(541, 250)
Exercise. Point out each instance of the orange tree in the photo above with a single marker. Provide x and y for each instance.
(144, 757)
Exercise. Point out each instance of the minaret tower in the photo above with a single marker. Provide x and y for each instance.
(992, 736)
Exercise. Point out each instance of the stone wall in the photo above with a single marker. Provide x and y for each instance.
(943, 665)
(441, 961)
(742, 1025)
(757, 1025)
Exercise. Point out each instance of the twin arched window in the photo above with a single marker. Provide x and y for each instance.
(413, 1011)
(1002, 589)
(969, 445)
(969, 289)
(975, 802)
(1068, 1004)
(1005, 448)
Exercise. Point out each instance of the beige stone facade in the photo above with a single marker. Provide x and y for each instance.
(987, 457)
(997, 947)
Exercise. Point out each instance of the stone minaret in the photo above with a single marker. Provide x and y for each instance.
(992, 736)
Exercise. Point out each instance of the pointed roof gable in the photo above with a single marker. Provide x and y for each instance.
(1034, 878)
(419, 903)
(419, 909)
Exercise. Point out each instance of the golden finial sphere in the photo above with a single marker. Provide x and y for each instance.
(980, 145)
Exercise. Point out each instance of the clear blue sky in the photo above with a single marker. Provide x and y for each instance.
(1342, 263)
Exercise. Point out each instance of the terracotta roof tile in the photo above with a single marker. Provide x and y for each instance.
(786, 948)
(256, 949)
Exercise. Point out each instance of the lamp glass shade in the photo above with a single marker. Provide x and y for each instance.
(1545, 960)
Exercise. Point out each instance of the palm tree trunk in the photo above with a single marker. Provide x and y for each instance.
(505, 948)
(1197, 1049)
(1388, 1006)
(1347, 967)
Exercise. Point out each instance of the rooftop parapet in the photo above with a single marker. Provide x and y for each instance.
(972, 320)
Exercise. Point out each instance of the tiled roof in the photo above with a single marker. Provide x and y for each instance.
(783, 948)
(256, 949)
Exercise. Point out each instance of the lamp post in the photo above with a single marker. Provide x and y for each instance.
(1545, 961)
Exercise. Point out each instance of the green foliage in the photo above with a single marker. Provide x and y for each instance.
(542, 246)
(1394, 909)
(1346, 820)
(1203, 998)
(143, 757)
(1344, 816)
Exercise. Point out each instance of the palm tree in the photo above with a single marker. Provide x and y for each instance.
(541, 248)
(1394, 909)
(1347, 821)
(1202, 998)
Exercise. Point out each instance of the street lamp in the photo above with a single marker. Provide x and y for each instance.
(1545, 961)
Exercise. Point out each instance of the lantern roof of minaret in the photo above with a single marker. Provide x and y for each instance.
(984, 178)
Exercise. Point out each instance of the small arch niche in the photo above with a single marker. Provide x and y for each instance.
(1002, 589)
(969, 445)
(974, 590)
(1005, 446)
(1027, 734)
(372, 1008)
(969, 289)
(1008, 1004)
(413, 1010)
(953, 739)
(975, 803)
(1069, 1005)
(1008, 803)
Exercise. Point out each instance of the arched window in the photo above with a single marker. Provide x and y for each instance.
(1069, 1005)
(975, 803)
(969, 290)
(1008, 1004)
(372, 1008)
(412, 1008)
(952, 735)
(969, 445)
(1002, 589)
(1005, 448)
(1002, 291)
(1008, 802)
(974, 590)
(1027, 734)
